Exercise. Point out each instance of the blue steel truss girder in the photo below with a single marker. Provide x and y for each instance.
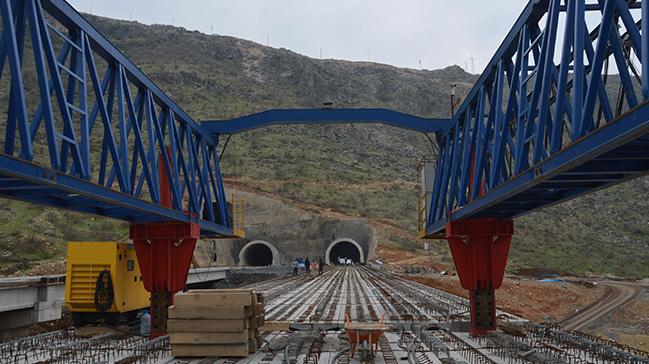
(94, 143)
(322, 116)
(545, 179)
(72, 193)
(70, 18)
(529, 136)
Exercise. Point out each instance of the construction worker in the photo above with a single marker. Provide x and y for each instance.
(296, 266)
(320, 266)
(307, 265)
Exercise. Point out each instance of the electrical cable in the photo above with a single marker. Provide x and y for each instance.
(104, 293)
(198, 275)
(429, 149)
(225, 145)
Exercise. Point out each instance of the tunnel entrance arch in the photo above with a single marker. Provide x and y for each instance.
(258, 253)
(344, 248)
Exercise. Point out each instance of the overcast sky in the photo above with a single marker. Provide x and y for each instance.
(401, 33)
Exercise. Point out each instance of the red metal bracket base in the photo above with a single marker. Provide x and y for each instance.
(480, 248)
(164, 253)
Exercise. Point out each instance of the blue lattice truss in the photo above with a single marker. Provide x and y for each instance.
(561, 110)
(89, 131)
(86, 132)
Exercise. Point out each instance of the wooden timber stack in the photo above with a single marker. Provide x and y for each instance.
(216, 322)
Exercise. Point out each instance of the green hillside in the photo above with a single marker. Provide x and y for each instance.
(357, 169)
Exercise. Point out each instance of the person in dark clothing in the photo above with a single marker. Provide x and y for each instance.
(307, 265)
(320, 266)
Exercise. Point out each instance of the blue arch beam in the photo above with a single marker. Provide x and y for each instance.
(326, 116)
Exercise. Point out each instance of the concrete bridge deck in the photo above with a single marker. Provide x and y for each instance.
(423, 325)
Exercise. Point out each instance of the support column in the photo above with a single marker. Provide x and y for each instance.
(480, 248)
(164, 252)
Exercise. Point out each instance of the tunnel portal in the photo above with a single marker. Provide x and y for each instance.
(344, 249)
(257, 254)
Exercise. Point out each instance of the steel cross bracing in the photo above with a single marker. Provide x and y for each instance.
(87, 131)
(561, 110)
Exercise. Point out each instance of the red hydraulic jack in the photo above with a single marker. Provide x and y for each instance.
(164, 253)
(480, 248)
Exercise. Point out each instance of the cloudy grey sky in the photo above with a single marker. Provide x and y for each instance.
(437, 32)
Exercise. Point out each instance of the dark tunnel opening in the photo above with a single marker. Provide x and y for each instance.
(346, 250)
(257, 255)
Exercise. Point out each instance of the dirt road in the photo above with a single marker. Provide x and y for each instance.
(617, 294)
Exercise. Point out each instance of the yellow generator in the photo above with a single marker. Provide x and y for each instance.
(103, 283)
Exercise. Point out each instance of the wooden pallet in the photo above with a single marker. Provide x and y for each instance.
(223, 323)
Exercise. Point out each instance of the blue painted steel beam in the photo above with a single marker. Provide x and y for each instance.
(46, 187)
(134, 120)
(615, 137)
(68, 16)
(562, 130)
(531, 13)
(326, 116)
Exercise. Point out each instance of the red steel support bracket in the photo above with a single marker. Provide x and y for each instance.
(480, 248)
(164, 252)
